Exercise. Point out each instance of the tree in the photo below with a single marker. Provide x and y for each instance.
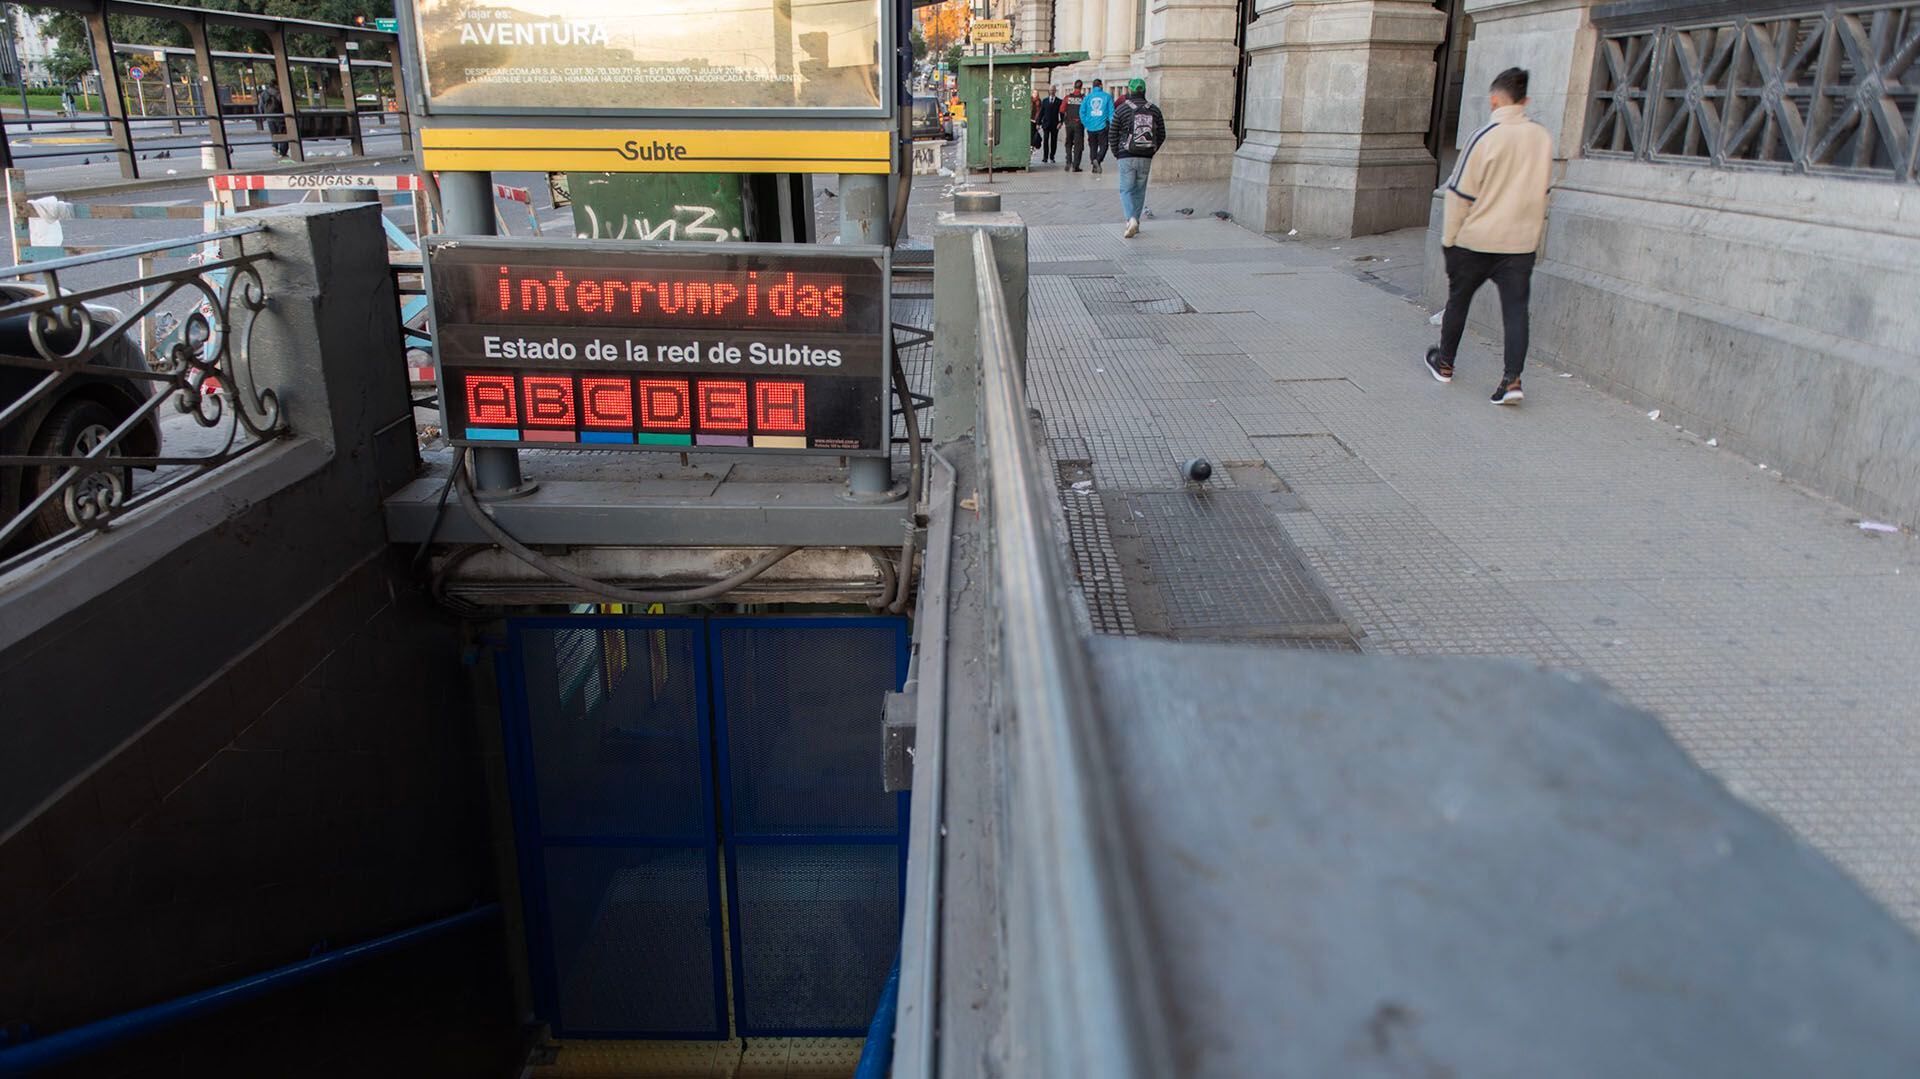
(954, 54)
(944, 24)
(73, 55)
(919, 44)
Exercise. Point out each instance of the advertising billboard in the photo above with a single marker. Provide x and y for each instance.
(640, 57)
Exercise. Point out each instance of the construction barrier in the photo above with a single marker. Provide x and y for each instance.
(38, 232)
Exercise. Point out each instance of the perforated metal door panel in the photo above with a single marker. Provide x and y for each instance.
(814, 844)
(614, 811)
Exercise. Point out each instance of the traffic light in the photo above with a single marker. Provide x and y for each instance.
(359, 20)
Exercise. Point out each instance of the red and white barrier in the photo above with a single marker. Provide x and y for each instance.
(317, 181)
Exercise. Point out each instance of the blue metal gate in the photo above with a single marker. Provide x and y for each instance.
(654, 761)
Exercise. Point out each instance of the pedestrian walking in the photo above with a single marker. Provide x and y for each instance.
(1050, 126)
(1096, 112)
(1033, 122)
(1496, 210)
(1138, 132)
(269, 104)
(1076, 130)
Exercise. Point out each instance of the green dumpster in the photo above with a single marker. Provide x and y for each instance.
(999, 138)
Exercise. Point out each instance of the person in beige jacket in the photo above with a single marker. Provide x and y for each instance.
(1496, 210)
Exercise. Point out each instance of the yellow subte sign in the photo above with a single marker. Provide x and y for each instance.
(479, 149)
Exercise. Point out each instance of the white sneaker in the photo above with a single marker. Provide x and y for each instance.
(1133, 228)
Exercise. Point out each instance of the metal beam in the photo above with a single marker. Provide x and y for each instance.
(283, 79)
(111, 98)
(640, 513)
(209, 90)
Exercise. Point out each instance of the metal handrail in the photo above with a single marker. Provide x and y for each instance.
(27, 269)
(1091, 967)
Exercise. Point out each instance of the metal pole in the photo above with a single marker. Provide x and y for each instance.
(864, 220)
(283, 79)
(353, 106)
(993, 133)
(209, 93)
(466, 209)
(111, 98)
(19, 61)
(400, 95)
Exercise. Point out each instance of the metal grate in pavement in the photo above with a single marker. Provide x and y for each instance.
(1216, 564)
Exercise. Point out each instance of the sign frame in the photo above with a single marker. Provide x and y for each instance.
(878, 117)
(878, 255)
(1000, 32)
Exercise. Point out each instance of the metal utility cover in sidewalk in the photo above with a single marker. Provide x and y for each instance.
(1217, 564)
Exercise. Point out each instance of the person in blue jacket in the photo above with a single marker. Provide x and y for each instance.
(1096, 112)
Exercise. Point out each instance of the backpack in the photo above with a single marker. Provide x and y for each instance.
(1138, 139)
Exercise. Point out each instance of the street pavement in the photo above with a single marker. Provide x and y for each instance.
(1774, 636)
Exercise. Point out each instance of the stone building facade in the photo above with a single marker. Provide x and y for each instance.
(1734, 231)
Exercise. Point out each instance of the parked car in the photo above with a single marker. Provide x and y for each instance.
(930, 120)
(72, 419)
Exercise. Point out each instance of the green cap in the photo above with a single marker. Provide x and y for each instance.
(1138, 86)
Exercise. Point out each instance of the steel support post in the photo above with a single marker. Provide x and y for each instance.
(400, 96)
(168, 96)
(956, 312)
(209, 92)
(466, 209)
(353, 106)
(110, 96)
(864, 220)
(283, 78)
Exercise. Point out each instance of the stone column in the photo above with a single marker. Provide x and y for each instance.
(1338, 102)
(1033, 28)
(1066, 26)
(1190, 60)
(1554, 41)
(1120, 25)
(1093, 27)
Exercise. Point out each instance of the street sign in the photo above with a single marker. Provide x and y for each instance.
(991, 32)
(391, 26)
(136, 74)
(690, 347)
(559, 149)
(926, 157)
(616, 57)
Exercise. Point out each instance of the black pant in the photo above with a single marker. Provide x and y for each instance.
(1076, 144)
(1049, 141)
(1097, 140)
(1512, 275)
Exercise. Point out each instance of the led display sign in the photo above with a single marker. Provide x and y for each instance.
(646, 346)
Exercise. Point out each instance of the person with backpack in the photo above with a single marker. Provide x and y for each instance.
(1138, 130)
(1096, 112)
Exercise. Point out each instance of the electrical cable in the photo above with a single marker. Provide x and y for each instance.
(904, 578)
(439, 509)
(584, 583)
(884, 566)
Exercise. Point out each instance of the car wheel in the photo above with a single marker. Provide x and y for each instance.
(73, 430)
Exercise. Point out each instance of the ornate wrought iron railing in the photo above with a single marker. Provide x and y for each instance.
(82, 400)
(1810, 88)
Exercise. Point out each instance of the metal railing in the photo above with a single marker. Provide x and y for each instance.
(1084, 961)
(1801, 87)
(81, 400)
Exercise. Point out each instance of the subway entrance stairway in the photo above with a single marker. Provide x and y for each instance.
(1283, 773)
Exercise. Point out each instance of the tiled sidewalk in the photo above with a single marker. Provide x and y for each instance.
(1779, 642)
